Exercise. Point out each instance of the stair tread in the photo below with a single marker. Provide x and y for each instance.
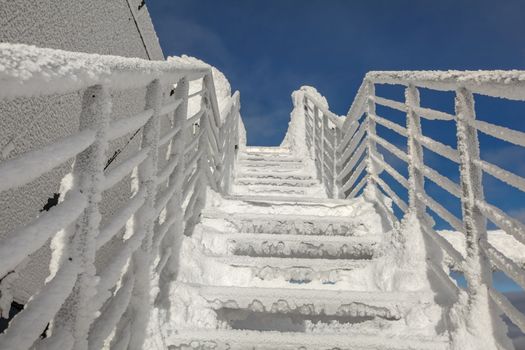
(279, 217)
(285, 262)
(250, 236)
(329, 298)
(248, 339)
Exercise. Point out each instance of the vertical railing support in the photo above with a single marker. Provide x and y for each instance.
(323, 123)
(174, 235)
(76, 315)
(478, 272)
(371, 131)
(480, 310)
(335, 168)
(416, 178)
(147, 171)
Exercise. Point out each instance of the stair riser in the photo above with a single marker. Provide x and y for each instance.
(295, 227)
(274, 182)
(273, 175)
(302, 250)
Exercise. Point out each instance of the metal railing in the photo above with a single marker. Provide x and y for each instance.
(80, 306)
(348, 158)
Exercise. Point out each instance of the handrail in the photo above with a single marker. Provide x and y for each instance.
(159, 220)
(359, 124)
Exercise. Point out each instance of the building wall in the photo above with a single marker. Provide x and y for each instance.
(115, 27)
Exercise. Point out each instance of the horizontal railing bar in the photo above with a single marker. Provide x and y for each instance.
(497, 83)
(513, 136)
(358, 170)
(358, 106)
(390, 147)
(400, 106)
(358, 187)
(501, 219)
(197, 93)
(30, 165)
(27, 326)
(126, 125)
(401, 204)
(170, 107)
(393, 172)
(163, 229)
(347, 136)
(190, 183)
(449, 249)
(59, 339)
(194, 142)
(28, 239)
(352, 162)
(515, 315)
(193, 119)
(169, 136)
(119, 219)
(108, 319)
(401, 130)
(331, 116)
(432, 114)
(168, 169)
(189, 210)
(357, 135)
(114, 269)
(165, 257)
(164, 199)
(441, 180)
(456, 223)
(504, 264)
(81, 70)
(354, 141)
(190, 165)
(439, 148)
(119, 172)
(502, 174)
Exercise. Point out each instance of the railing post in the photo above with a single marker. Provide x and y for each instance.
(371, 131)
(76, 314)
(173, 237)
(147, 172)
(477, 271)
(416, 178)
(323, 135)
(312, 126)
(335, 168)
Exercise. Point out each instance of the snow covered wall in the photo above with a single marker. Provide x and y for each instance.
(116, 27)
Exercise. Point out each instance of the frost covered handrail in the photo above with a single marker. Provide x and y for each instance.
(363, 156)
(79, 306)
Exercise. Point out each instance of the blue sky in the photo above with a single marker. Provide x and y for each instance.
(269, 48)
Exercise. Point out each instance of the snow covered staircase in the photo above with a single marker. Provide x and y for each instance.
(265, 171)
(267, 268)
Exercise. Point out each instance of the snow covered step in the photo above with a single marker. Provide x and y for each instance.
(273, 175)
(296, 246)
(269, 189)
(266, 150)
(275, 182)
(269, 165)
(271, 340)
(287, 224)
(268, 158)
(384, 305)
(302, 273)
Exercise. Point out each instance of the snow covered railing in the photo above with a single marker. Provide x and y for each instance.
(79, 306)
(359, 161)
(322, 129)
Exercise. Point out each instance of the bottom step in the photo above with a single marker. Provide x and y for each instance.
(256, 340)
